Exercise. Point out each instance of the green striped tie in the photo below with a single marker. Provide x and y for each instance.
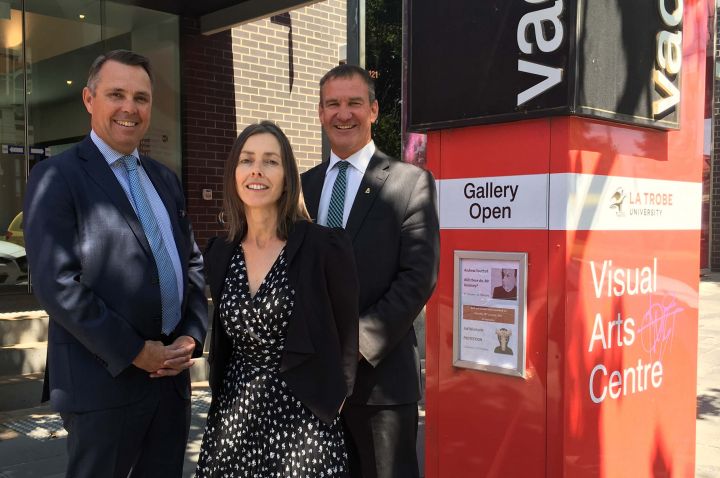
(337, 198)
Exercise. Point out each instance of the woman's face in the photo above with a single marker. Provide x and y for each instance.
(259, 174)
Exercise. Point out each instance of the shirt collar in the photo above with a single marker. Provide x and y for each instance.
(107, 152)
(359, 160)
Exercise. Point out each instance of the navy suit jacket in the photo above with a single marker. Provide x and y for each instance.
(93, 271)
(394, 229)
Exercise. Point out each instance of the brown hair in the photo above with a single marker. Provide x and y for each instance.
(291, 205)
(125, 57)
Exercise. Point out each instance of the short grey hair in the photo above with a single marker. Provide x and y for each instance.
(348, 71)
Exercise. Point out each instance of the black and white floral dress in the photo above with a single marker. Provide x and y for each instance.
(257, 428)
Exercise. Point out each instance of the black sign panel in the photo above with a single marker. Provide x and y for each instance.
(488, 61)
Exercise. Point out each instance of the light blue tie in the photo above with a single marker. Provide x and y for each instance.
(169, 297)
(337, 198)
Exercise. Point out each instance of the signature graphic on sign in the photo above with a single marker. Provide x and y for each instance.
(658, 326)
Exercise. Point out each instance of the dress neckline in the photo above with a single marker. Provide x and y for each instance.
(264, 280)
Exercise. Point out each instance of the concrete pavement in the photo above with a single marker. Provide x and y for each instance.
(707, 461)
(32, 442)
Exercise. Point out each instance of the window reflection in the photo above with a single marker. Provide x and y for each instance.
(13, 263)
(41, 109)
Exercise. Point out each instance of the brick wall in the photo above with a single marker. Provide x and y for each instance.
(261, 68)
(208, 121)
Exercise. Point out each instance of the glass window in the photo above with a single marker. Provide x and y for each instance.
(41, 80)
(13, 174)
(58, 65)
(61, 40)
(155, 35)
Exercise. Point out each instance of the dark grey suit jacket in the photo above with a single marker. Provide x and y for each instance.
(394, 228)
(94, 273)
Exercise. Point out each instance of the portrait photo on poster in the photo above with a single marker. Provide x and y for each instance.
(489, 311)
(503, 336)
(504, 287)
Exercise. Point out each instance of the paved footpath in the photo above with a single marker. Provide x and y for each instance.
(707, 464)
(32, 442)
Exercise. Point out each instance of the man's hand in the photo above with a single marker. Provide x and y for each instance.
(151, 357)
(177, 357)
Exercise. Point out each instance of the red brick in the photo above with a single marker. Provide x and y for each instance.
(209, 127)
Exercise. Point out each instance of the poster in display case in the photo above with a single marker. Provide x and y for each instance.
(489, 311)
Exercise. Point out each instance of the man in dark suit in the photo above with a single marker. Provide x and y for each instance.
(117, 269)
(389, 210)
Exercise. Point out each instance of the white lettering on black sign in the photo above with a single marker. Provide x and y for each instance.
(539, 20)
(668, 59)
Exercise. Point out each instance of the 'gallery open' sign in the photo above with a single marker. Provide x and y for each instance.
(473, 62)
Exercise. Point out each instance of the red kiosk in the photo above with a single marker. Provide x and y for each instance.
(566, 140)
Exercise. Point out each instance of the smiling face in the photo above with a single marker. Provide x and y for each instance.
(120, 105)
(259, 174)
(346, 114)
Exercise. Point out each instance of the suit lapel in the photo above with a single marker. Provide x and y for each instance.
(295, 239)
(169, 202)
(220, 261)
(298, 344)
(372, 181)
(312, 188)
(99, 171)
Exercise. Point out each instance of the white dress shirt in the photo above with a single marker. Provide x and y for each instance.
(358, 163)
(158, 207)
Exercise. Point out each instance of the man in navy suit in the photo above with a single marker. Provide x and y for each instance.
(388, 208)
(116, 267)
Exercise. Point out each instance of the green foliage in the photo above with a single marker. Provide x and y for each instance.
(383, 57)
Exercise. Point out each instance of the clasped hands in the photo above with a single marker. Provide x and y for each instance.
(166, 360)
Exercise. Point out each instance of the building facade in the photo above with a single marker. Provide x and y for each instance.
(218, 66)
(311, 39)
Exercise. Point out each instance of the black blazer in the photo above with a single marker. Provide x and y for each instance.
(94, 273)
(321, 348)
(394, 229)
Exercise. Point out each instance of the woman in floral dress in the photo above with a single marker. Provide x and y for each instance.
(284, 344)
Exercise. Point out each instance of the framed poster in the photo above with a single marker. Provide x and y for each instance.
(489, 312)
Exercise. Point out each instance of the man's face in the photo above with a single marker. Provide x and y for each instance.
(508, 279)
(346, 114)
(120, 106)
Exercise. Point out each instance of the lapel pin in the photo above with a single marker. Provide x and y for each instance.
(367, 191)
